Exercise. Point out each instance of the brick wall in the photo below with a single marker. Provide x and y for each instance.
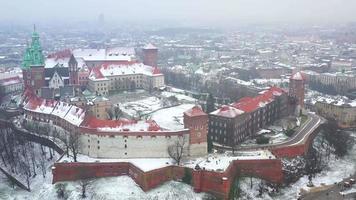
(290, 151)
(147, 180)
(219, 183)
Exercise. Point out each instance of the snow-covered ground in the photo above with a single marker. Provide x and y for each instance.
(336, 171)
(180, 97)
(171, 118)
(220, 162)
(274, 133)
(142, 106)
(113, 188)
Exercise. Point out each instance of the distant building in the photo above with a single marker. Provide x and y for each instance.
(339, 83)
(339, 108)
(11, 85)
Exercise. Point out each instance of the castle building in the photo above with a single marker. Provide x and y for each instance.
(234, 123)
(297, 89)
(124, 77)
(101, 70)
(123, 138)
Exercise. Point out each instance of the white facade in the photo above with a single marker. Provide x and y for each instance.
(130, 146)
(56, 81)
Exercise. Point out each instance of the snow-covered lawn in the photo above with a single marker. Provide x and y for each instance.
(142, 106)
(180, 97)
(171, 118)
(113, 188)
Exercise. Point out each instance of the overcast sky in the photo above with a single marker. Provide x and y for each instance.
(183, 11)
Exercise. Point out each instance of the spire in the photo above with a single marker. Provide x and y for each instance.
(36, 49)
(33, 54)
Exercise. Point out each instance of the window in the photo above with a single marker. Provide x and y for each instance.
(125, 146)
(98, 147)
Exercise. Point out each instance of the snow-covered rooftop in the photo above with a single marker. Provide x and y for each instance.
(61, 109)
(113, 54)
(227, 111)
(136, 68)
(75, 115)
(220, 162)
(314, 96)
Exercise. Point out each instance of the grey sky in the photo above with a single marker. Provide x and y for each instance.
(184, 11)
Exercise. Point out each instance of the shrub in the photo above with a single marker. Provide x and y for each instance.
(262, 140)
(61, 190)
(187, 178)
(289, 132)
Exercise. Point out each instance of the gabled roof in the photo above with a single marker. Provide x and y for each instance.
(227, 111)
(150, 46)
(249, 104)
(297, 76)
(195, 111)
(40, 105)
(95, 74)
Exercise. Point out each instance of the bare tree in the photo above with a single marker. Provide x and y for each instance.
(176, 150)
(84, 183)
(73, 145)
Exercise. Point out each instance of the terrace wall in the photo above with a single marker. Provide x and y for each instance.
(217, 183)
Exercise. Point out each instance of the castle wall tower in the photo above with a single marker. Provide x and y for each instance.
(297, 89)
(196, 120)
(150, 53)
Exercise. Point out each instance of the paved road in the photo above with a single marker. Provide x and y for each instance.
(300, 137)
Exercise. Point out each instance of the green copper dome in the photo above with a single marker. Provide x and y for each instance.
(33, 55)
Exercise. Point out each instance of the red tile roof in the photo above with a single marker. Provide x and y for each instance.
(156, 71)
(66, 53)
(96, 73)
(92, 122)
(249, 104)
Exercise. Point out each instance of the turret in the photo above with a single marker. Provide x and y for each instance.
(150, 53)
(297, 89)
(196, 120)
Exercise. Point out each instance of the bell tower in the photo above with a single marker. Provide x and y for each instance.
(33, 65)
